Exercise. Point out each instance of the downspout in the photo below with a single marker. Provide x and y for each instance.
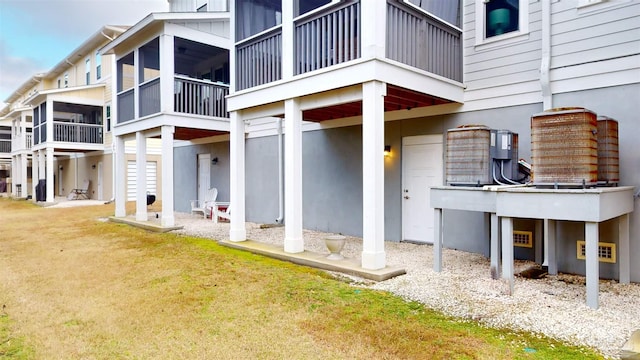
(545, 65)
(280, 218)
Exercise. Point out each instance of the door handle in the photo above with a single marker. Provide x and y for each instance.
(406, 197)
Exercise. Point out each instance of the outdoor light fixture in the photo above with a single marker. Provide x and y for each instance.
(61, 168)
(214, 161)
(93, 166)
(387, 150)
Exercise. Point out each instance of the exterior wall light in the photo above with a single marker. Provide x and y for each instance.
(214, 161)
(387, 150)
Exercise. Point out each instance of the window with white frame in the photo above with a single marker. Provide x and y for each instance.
(500, 19)
(108, 116)
(87, 71)
(66, 80)
(59, 83)
(98, 65)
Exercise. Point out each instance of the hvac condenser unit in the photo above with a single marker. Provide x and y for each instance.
(478, 155)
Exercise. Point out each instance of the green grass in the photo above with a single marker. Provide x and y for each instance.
(145, 295)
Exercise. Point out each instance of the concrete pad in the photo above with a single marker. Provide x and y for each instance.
(316, 260)
(147, 225)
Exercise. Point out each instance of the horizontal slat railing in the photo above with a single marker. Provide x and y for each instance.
(424, 42)
(199, 97)
(328, 37)
(259, 60)
(126, 106)
(150, 97)
(5, 146)
(77, 133)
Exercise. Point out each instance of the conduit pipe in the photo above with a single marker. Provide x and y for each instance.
(545, 63)
(280, 218)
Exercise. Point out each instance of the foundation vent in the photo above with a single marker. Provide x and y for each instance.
(523, 238)
(606, 251)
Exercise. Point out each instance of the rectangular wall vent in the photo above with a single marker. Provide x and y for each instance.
(606, 251)
(523, 238)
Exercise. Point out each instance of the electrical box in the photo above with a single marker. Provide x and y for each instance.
(501, 144)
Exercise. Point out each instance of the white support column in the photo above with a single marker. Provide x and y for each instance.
(167, 176)
(374, 25)
(550, 260)
(49, 124)
(592, 264)
(438, 237)
(136, 83)
(15, 175)
(141, 177)
(293, 240)
(24, 162)
(623, 249)
(120, 178)
(373, 255)
(238, 230)
(49, 175)
(166, 75)
(288, 46)
(507, 251)
(495, 247)
(35, 174)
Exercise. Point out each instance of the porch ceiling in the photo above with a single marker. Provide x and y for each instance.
(182, 133)
(397, 98)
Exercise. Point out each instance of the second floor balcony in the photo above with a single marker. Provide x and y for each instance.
(5, 146)
(69, 125)
(22, 141)
(332, 35)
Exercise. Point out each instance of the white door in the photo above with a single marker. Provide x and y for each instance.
(100, 175)
(422, 164)
(132, 176)
(204, 175)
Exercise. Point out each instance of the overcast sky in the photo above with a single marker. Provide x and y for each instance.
(37, 34)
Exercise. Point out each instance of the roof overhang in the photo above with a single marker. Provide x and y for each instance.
(41, 96)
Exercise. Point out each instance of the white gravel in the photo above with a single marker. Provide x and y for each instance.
(554, 306)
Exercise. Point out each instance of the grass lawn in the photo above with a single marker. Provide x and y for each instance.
(74, 287)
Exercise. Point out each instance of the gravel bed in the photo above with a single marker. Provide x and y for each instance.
(554, 306)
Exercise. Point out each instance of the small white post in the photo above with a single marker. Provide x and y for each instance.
(591, 262)
(507, 251)
(495, 247)
(120, 178)
(623, 249)
(438, 238)
(167, 176)
(141, 177)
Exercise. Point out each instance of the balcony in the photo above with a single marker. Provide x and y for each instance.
(190, 96)
(22, 142)
(332, 36)
(5, 146)
(77, 133)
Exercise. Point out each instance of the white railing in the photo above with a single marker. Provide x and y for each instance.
(200, 97)
(28, 140)
(327, 38)
(77, 133)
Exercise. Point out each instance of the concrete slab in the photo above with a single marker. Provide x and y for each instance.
(147, 225)
(316, 260)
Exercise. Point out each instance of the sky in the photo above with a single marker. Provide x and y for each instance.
(35, 35)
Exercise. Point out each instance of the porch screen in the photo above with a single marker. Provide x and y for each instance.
(254, 16)
(448, 11)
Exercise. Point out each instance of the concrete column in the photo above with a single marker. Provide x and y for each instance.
(237, 231)
(623, 249)
(438, 232)
(592, 263)
(141, 177)
(507, 251)
(550, 260)
(373, 255)
(495, 246)
(293, 241)
(120, 178)
(49, 175)
(167, 176)
(537, 241)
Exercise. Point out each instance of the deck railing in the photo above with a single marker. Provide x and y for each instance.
(77, 133)
(327, 38)
(5, 146)
(28, 138)
(200, 97)
(424, 42)
(126, 102)
(150, 97)
(259, 60)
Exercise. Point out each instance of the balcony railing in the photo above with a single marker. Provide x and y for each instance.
(150, 97)
(126, 102)
(22, 142)
(199, 97)
(424, 42)
(327, 38)
(28, 138)
(77, 133)
(259, 60)
(5, 146)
